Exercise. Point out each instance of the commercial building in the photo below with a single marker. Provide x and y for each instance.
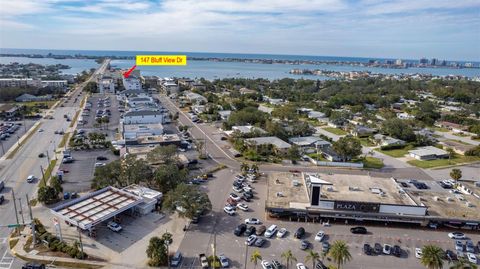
(143, 117)
(32, 98)
(132, 83)
(360, 197)
(140, 101)
(96, 207)
(278, 143)
(55, 83)
(134, 131)
(151, 198)
(428, 153)
(20, 82)
(106, 85)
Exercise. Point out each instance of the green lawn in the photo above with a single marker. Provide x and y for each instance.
(317, 157)
(371, 162)
(460, 134)
(49, 104)
(458, 159)
(366, 142)
(396, 153)
(335, 131)
(441, 129)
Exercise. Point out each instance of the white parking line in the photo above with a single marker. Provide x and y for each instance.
(3, 240)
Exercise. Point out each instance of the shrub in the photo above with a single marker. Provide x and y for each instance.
(390, 147)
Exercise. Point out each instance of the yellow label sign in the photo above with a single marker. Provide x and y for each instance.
(161, 60)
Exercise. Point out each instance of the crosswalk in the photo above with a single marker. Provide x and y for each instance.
(7, 260)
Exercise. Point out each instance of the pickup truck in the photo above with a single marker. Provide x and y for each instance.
(203, 260)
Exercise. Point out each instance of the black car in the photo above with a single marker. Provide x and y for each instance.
(33, 266)
(240, 229)
(367, 249)
(248, 195)
(358, 230)
(2, 199)
(260, 242)
(276, 264)
(250, 230)
(102, 158)
(451, 255)
(397, 251)
(320, 265)
(378, 249)
(404, 184)
(246, 199)
(299, 233)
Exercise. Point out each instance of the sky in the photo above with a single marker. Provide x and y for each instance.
(409, 29)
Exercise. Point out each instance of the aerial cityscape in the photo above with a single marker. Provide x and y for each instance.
(322, 134)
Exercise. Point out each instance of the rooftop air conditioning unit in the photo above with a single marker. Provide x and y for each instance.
(330, 188)
(449, 199)
(296, 183)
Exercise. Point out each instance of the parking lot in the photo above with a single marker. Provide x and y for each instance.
(10, 138)
(200, 236)
(106, 105)
(80, 172)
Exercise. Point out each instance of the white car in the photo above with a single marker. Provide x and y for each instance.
(387, 249)
(239, 177)
(242, 206)
(224, 261)
(266, 265)
(418, 253)
(235, 197)
(319, 236)
(99, 164)
(456, 235)
(301, 266)
(237, 189)
(252, 221)
(31, 178)
(271, 231)
(281, 233)
(472, 258)
(112, 225)
(251, 239)
(229, 211)
(230, 207)
(247, 188)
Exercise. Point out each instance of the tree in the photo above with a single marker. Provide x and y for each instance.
(432, 257)
(133, 171)
(288, 257)
(108, 175)
(47, 194)
(55, 183)
(312, 256)
(339, 253)
(255, 257)
(188, 200)
(456, 174)
(451, 153)
(347, 147)
(157, 252)
(167, 176)
(244, 167)
(293, 153)
(399, 129)
(163, 154)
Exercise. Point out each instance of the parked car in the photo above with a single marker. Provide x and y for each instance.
(2, 185)
(33, 266)
(418, 253)
(248, 195)
(229, 211)
(472, 258)
(456, 235)
(397, 251)
(260, 242)
(2, 199)
(67, 159)
(319, 236)
(112, 225)
(240, 229)
(301, 266)
(234, 197)
(252, 221)
(378, 248)
(281, 233)
(458, 245)
(41, 155)
(299, 233)
(250, 230)
(276, 264)
(266, 264)
(100, 164)
(367, 249)
(387, 249)
(451, 255)
(250, 240)
(260, 230)
(325, 246)
(271, 231)
(176, 259)
(224, 261)
(102, 158)
(358, 230)
(469, 246)
(304, 244)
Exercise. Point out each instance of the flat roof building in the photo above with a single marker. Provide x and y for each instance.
(269, 140)
(428, 153)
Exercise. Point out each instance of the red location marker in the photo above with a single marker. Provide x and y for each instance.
(126, 74)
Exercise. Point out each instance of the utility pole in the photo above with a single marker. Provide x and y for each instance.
(15, 207)
(43, 175)
(214, 246)
(21, 209)
(246, 255)
(31, 221)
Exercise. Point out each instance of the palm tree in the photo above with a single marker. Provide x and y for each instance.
(463, 263)
(432, 257)
(255, 168)
(288, 257)
(312, 256)
(456, 174)
(339, 253)
(255, 257)
(451, 153)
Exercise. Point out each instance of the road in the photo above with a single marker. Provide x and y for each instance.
(26, 162)
(460, 138)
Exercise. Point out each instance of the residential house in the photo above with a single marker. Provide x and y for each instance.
(405, 116)
(383, 140)
(458, 147)
(246, 91)
(198, 109)
(330, 154)
(309, 144)
(195, 98)
(32, 98)
(265, 109)
(246, 129)
(454, 127)
(362, 131)
(428, 153)
(316, 115)
(224, 114)
(132, 83)
(279, 144)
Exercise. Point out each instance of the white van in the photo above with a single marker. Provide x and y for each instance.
(271, 231)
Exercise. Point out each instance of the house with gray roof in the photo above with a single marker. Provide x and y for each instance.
(278, 143)
(428, 153)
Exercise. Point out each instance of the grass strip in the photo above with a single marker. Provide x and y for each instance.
(32, 131)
